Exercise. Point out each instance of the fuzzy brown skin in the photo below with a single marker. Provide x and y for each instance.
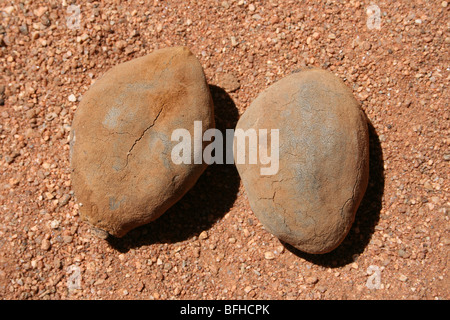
(121, 144)
(324, 160)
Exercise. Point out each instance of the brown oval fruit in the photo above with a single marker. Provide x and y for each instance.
(123, 174)
(311, 201)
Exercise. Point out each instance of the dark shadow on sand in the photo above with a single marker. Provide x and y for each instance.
(366, 217)
(210, 199)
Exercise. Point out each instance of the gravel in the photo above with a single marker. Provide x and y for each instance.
(399, 71)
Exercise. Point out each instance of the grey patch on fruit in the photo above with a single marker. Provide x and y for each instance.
(111, 118)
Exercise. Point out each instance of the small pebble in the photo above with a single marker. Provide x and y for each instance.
(64, 200)
(8, 10)
(140, 286)
(203, 235)
(279, 249)
(322, 289)
(121, 44)
(30, 114)
(45, 245)
(67, 239)
(23, 29)
(403, 278)
(402, 253)
(427, 185)
(229, 82)
(196, 252)
(40, 11)
(311, 280)
(269, 255)
(234, 42)
(54, 224)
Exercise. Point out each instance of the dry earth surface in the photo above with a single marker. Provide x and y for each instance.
(210, 245)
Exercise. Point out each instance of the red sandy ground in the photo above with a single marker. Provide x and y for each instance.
(210, 245)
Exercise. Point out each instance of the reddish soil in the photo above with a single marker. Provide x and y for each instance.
(210, 245)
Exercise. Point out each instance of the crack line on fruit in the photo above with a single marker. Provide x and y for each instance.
(143, 133)
(354, 188)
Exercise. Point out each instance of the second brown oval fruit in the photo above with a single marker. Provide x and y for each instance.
(311, 201)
